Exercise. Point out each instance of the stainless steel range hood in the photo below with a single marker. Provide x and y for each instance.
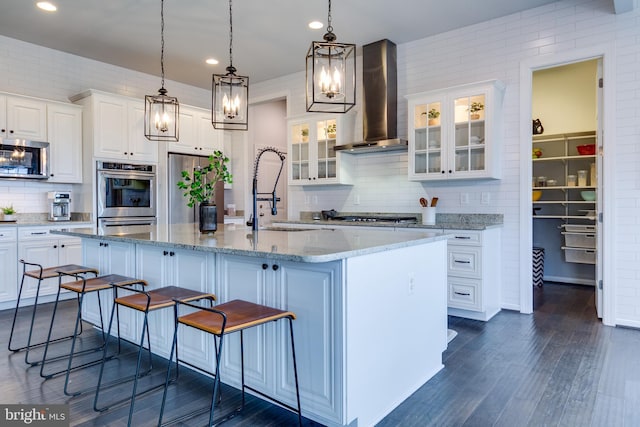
(380, 95)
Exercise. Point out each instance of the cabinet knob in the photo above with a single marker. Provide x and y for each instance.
(450, 171)
(275, 267)
(101, 244)
(125, 153)
(165, 253)
(442, 171)
(62, 246)
(55, 246)
(51, 175)
(106, 244)
(172, 253)
(4, 130)
(11, 131)
(265, 266)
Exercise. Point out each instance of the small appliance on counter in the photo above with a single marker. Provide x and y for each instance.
(60, 205)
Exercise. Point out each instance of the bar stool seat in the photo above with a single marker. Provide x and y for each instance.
(82, 287)
(40, 274)
(145, 302)
(221, 320)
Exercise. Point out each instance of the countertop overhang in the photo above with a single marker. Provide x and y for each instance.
(302, 245)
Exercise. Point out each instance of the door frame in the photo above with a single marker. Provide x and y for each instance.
(606, 52)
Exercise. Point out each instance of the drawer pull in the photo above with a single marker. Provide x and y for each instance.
(36, 233)
(463, 237)
(461, 261)
(464, 294)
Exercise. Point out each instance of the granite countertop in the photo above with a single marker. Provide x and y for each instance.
(302, 245)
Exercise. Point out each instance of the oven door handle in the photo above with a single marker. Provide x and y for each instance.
(106, 222)
(125, 174)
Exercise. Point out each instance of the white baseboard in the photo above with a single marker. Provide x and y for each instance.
(572, 280)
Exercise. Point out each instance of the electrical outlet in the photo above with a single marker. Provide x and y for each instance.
(485, 198)
(411, 287)
(356, 199)
(464, 198)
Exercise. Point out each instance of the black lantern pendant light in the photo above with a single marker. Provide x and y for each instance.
(230, 94)
(161, 112)
(331, 74)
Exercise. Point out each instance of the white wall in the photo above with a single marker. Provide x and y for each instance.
(489, 50)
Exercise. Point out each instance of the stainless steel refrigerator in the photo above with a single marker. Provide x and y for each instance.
(179, 212)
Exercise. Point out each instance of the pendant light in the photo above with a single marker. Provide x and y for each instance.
(331, 74)
(161, 112)
(230, 94)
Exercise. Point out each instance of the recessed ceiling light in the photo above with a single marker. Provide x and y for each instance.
(45, 5)
(212, 61)
(315, 25)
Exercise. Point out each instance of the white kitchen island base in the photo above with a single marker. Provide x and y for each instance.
(371, 309)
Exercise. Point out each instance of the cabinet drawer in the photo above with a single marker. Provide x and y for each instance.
(464, 262)
(8, 234)
(464, 294)
(33, 233)
(466, 238)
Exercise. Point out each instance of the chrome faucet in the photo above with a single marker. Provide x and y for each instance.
(273, 199)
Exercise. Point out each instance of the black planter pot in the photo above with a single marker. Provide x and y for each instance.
(208, 218)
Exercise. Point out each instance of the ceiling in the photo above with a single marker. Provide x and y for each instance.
(270, 38)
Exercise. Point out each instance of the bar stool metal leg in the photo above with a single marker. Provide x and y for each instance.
(144, 302)
(233, 316)
(41, 274)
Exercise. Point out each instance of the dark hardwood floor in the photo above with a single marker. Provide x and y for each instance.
(557, 367)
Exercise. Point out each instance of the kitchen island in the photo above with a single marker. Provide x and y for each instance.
(371, 307)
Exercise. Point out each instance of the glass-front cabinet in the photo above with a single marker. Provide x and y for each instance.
(454, 133)
(312, 157)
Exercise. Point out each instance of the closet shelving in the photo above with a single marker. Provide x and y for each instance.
(559, 160)
(561, 201)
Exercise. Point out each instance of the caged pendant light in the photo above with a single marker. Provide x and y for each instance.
(161, 112)
(331, 74)
(230, 94)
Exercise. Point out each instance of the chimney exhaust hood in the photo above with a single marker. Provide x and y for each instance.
(380, 97)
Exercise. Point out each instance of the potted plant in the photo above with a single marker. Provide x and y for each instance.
(475, 109)
(305, 134)
(199, 186)
(433, 115)
(331, 131)
(9, 213)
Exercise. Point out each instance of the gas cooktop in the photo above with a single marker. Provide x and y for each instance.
(376, 218)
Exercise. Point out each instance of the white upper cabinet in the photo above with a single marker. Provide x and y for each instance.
(64, 129)
(114, 125)
(312, 158)
(22, 117)
(196, 133)
(455, 133)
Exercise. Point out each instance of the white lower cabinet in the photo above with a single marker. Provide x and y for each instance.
(8, 255)
(168, 266)
(36, 245)
(312, 292)
(473, 273)
(109, 257)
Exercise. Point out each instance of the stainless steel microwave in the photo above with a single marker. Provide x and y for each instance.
(21, 158)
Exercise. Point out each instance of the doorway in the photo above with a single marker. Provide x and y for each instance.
(604, 133)
(565, 175)
(268, 129)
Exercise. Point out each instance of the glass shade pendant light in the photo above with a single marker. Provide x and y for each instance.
(161, 112)
(331, 74)
(230, 94)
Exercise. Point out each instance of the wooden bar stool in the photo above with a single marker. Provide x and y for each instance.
(223, 319)
(41, 274)
(144, 302)
(82, 287)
